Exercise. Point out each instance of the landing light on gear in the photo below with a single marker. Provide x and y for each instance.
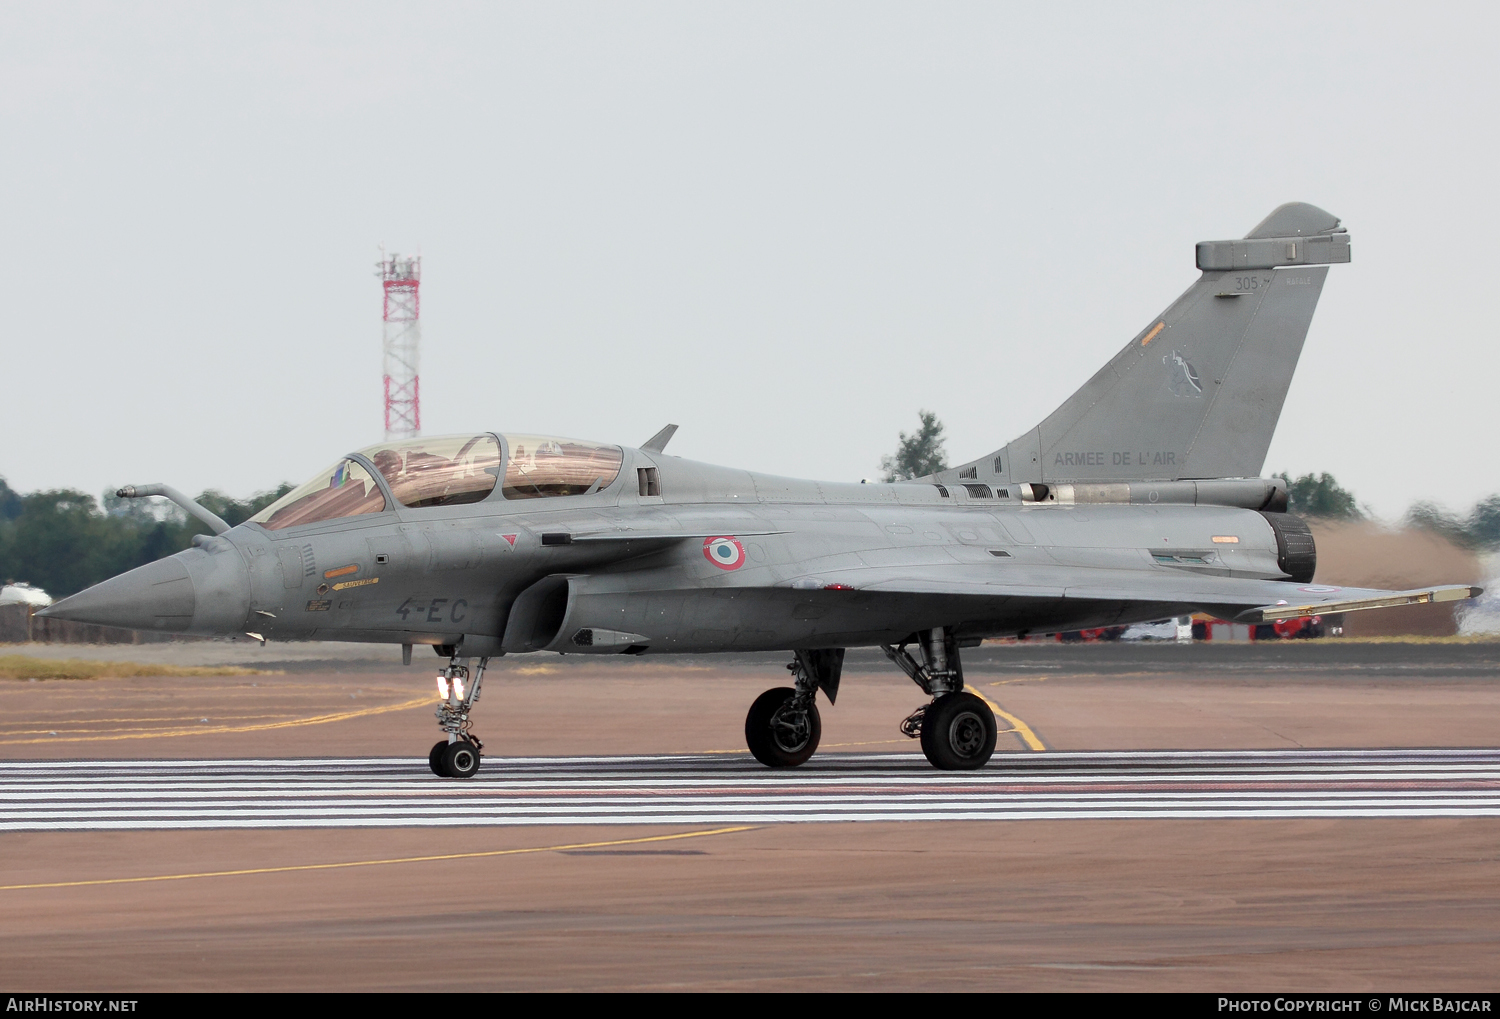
(458, 756)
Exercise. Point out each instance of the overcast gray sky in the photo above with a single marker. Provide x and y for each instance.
(784, 226)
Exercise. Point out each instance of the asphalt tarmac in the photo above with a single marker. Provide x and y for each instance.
(1308, 827)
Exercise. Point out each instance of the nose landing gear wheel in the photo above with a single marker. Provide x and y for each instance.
(958, 732)
(778, 735)
(460, 760)
(435, 758)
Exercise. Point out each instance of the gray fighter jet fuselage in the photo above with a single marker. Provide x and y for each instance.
(1136, 500)
(716, 560)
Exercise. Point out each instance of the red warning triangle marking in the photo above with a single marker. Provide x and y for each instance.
(510, 538)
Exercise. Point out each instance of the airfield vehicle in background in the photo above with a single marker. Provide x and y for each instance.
(1206, 627)
(1202, 626)
(22, 593)
(1138, 499)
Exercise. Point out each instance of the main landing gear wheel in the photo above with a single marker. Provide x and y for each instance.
(958, 732)
(435, 758)
(780, 736)
(459, 760)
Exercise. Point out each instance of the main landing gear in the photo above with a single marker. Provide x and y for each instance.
(783, 726)
(957, 729)
(458, 755)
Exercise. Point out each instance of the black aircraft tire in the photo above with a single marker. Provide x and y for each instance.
(435, 758)
(958, 732)
(460, 760)
(765, 743)
(925, 735)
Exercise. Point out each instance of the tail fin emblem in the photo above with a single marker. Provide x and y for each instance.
(1184, 381)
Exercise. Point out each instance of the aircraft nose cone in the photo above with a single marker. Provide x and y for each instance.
(158, 596)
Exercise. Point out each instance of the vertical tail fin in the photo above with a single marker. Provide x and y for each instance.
(1197, 393)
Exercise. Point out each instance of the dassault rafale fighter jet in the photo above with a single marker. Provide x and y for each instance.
(1136, 500)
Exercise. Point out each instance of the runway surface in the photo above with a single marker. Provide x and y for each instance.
(730, 789)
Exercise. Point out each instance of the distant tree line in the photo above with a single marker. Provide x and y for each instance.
(1479, 530)
(919, 454)
(1321, 496)
(64, 540)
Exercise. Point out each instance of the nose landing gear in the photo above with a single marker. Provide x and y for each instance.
(458, 756)
(957, 729)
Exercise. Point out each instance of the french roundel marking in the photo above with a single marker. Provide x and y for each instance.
(725, 552)
(1319, 589)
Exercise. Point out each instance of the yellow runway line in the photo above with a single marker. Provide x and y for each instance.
(380, 863)
(175, 719)
(1020, 728)
(206, 730)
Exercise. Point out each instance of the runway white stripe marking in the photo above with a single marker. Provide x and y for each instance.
(720, 788)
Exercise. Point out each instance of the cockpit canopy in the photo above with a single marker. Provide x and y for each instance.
(344, 490)
(541, 466)
(448, 470)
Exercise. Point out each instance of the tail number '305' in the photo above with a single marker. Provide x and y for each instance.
(437, 610)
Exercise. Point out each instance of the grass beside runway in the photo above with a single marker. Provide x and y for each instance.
(27, 667)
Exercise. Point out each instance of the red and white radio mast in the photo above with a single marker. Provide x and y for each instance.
(401, 279)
